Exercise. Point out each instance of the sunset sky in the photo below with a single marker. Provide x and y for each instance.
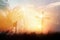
(33, 2)
(51, 9)
(38, 3)
(13, 3)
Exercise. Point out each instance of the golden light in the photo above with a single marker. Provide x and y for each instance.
(32, 20)
(25, 20)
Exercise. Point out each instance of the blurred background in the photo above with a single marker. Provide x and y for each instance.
(34, 17)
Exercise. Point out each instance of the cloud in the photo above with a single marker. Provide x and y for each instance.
(3, 4)
(53, 11)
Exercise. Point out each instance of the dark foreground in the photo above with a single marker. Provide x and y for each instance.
(32, 36)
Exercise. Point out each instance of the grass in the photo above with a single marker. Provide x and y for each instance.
(32, 36)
